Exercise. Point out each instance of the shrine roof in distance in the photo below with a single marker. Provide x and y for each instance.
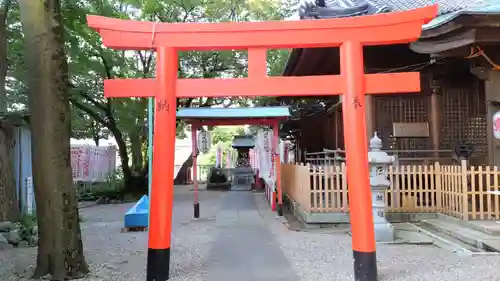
(228, 113)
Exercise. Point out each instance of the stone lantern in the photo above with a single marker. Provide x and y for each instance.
(379, 170)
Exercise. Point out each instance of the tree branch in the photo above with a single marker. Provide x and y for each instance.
(107, 68)
(89, 111)
(108, 107)
(88, 98)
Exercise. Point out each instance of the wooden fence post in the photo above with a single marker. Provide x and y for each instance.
(439, 190)
(465, 191)
(345, 188)
(306, 187)
(297, 178)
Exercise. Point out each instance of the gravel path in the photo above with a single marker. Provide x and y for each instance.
(314, 256)
(113, 255)
(328, 256)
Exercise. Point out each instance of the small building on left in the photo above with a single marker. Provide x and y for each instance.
(89, 163)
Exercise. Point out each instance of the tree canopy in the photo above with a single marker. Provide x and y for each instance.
(89, 63)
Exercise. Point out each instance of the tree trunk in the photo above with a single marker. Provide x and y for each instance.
(134, 183)
(60, 249)
(136, 150)
(9, 208)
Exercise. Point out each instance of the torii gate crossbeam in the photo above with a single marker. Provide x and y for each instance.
(350, 34)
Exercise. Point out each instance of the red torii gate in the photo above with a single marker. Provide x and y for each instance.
(350, 34)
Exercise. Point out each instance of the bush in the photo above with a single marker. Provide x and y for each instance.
(28, 226)
(111, 189)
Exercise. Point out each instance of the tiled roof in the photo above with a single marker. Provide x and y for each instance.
(343, 8)
(488, 7)
(445, 6)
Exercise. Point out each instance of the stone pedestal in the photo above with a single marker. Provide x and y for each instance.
(379, 171)
(384, 231)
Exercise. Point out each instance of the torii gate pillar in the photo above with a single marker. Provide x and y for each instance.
(350, 34)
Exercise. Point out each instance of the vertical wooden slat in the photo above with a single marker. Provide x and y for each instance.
(308, 175)
(438, 187)
(335, 187)
(464, 191)
(433, 188)
(317, 197)
(323, 187)
(329, 195)
(426, 191)
(479, 191)
(449, 189)
(472, 173)
(408, 187)
(345, 189)
(307, 187)
(444, 181)
(485, 192)
(398, 196)
(405, 180)
(457, 199)
(495, 188)
(404, 186)
(460, 193)
(329, 200)
(312, 192)
(316, 187)
(420, 190)
(457, 191)
(297, 182)
(338, 187)
(414, 186)
(447, 182)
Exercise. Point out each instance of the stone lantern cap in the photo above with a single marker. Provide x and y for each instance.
(376, 155)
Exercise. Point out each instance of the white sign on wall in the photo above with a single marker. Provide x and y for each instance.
(496, 125)
(204, 141)
(30, 196)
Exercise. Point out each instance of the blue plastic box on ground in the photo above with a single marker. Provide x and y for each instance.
(137, 216)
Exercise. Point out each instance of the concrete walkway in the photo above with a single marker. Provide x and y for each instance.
(245, 250)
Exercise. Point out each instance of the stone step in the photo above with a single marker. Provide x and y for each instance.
(444, 241)
(489, 227)
(470, 236)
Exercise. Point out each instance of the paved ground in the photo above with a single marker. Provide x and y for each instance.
(196, 254)
(245, 249)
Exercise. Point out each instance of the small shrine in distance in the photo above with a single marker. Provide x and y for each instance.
(242, 173)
